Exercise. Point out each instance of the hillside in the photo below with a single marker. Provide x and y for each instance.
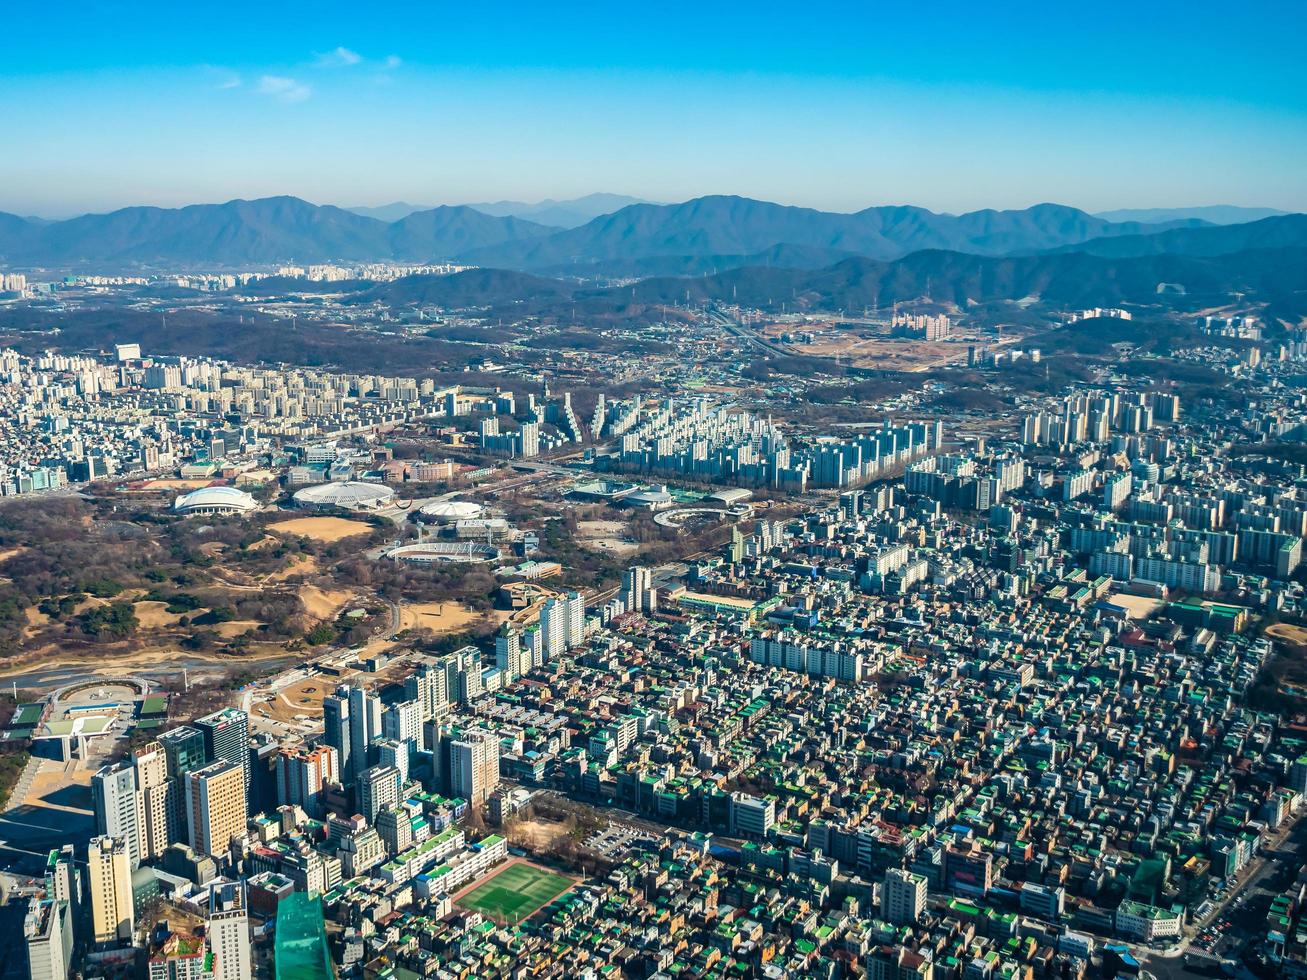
(1285, 231)
(1069, 280)
(736, 226)
(244, 233)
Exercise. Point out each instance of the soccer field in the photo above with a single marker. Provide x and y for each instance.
(516, 892)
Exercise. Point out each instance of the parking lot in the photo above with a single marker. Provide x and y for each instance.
(615, 840)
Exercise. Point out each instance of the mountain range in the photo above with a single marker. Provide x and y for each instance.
(556, 214)
(1067, 279)
(701, 236)
(1217, 214)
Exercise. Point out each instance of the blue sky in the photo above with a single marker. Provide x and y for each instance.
(952, 106)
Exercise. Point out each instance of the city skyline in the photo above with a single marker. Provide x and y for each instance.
(953, 112)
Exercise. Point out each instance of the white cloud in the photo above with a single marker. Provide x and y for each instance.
(283, 89)
(392, 61)
(340, 57)
(232, 81)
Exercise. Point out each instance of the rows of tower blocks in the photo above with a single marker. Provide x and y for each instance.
(194, 803)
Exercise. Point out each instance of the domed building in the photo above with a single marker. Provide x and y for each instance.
(346, 495)
(450, 511)
(651, 498)
(215, 500)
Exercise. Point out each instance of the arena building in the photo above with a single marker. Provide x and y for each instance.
(450, 511)
(215, 500)
(347, 495)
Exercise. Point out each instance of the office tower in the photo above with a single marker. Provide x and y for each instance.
(903, 897)
(226, 736)
(364, 725)
(302, 776)
(156, 802)
(228, 931)
(638, 594)
(392, 752)
(215, 807)
(335, 714)
(184, 750)
(113, 797)
(262, 794)
(378, 789)
(48, 931)
(474, 765)
(109, 881)
(403, 722)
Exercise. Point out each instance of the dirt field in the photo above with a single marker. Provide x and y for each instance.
(236, 628)
(328, 529)
(321, 604)
(873, 346)
(439, 617)
(537, 834)
(1139, 606)
(299, 565)
(1295, 636)
(178, 485)
(155, 615)
(606, 536)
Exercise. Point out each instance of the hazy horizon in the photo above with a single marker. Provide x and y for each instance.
(953, 109)
(532, 203)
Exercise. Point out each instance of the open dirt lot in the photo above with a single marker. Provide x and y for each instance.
(155, 615)
(299, 565)
(538, 834)
(439, 617)
(321, 603)
(873, 346)
(1139, 606)
(328, 529)
(179, 485)
(606, 536)
(1295, 636)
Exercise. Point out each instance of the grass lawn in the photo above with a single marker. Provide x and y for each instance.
(516, 892)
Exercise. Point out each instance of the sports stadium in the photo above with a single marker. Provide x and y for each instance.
(215, 500)
(346, 495)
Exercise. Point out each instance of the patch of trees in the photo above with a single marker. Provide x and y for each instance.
(115, 621)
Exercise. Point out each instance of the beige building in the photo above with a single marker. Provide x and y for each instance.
(109, 880)
(156, 801)
(474, 765)
(215, 807)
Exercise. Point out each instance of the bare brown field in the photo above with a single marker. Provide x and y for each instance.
(326, 529)
(321, 603)
(1288, 633)
(1139, 606)
(236, 627)
(605, 536)
(439, 617)
(299, 565)
(155, 615)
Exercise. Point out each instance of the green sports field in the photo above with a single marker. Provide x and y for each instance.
(516, 892)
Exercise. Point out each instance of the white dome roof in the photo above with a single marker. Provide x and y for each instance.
(228, 498)
(350, 493)
(452, 510)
